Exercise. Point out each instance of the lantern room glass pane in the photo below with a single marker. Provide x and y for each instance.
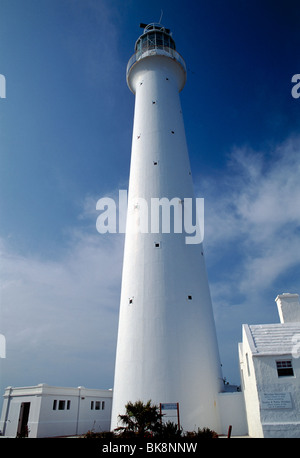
(159, 40)
(151, 40)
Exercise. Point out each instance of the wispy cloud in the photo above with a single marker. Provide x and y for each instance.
(257, 209)
(252, 228)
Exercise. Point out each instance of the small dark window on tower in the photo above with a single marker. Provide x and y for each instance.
(97, 406)
(68, 405)
(157, 244)
(167, 79)
(172, 131)
(190, 298)
(284, 368)
(155, 162)
(54, 404)
(130, 300)
(61, 405)
(153, 102)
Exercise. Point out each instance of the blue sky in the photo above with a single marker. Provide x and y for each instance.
(65, 140)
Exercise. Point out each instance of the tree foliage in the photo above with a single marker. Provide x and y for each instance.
(140, 419)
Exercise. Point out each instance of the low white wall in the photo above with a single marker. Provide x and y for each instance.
(233, 412)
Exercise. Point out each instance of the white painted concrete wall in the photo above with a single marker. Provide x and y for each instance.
(11, 413)
(282, 422)
(233, 412)
(260, 380)
(167, 348)
(45, 422)
(249, 388)
(288, 307)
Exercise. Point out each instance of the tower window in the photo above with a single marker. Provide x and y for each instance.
(61, 405)
(155, 162)
(190, 298)
(156, 244)
(284, 368)
(97, 405)
(130, 300)
(172, 132)
(153, 102)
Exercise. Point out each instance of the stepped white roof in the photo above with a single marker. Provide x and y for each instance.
(272, 339)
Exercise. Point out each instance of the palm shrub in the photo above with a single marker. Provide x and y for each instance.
(140, 420)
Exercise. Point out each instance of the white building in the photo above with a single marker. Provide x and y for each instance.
(270, 367)
(50, 411)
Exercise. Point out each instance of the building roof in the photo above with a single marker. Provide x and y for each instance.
(273, 339)
(43, 388)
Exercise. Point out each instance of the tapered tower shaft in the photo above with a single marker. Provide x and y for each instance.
(167, 348)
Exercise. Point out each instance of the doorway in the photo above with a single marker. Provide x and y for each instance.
(23, 420)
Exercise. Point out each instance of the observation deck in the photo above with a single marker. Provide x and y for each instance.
(156, 40)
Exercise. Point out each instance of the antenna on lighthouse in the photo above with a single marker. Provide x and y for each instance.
(161, 15)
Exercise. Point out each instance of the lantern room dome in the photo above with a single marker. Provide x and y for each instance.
(154, 36)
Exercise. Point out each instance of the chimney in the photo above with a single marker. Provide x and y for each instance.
(288, 307)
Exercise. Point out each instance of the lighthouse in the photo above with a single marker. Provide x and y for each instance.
(167, 349)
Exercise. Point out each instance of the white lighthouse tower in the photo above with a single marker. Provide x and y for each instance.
(167, 348)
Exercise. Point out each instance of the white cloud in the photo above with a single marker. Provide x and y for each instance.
(257, 213)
